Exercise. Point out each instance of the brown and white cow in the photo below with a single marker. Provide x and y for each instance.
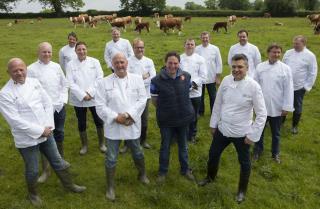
(314, 18)
(141, 26)
(232, 19)
(267, 15)
(171, 23)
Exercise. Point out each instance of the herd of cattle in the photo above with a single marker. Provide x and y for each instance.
(165, 23)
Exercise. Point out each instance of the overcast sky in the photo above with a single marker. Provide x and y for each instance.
(107, 5)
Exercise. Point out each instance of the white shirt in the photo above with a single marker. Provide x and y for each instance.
(82, 78)
(142, 66)
(119, 95)
(195, 65)
(28, 110)
(277, 87)
(233, 109)
(304, 68)
(112, 48)
(52, 80)
(252, 53)
(66, 54)
(212, 56)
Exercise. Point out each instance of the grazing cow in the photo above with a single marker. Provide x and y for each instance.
(170, 23)
(317, 29)
(278, 23)
(39, 19)
(314, 18)
(232, 19)
(141, 26)
(187, 18)
(266, 15)
(137, 20)
(119, 24)
(77, 20)
(127, 20)
(93, 23)
(218, 25)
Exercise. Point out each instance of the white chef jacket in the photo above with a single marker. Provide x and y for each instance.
(252, 53)
(195, 65)
(52, 80)
(140, 67)
(82, 78)
(277, 87)
(66, 54)
(304, 68)
(28, 110)
(112, 48)
(119, 95)
(212, 56)
(233, 109)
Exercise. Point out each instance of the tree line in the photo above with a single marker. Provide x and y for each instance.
(146, 7)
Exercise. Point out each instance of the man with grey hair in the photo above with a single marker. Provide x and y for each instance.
(28, 110)
(120, 100)
(55, 84)
(115, 46)
(303, 64)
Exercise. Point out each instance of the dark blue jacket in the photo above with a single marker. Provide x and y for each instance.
(174, 108)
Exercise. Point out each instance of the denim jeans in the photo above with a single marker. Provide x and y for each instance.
(275, 125)
(297, 103)
(31, 155)
(113, 151)
(193, 125)
(81, 113)
(220, 142)
(59, 120)
(167, 134)
(211, 87)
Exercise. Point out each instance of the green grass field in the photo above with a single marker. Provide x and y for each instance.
(294, 184)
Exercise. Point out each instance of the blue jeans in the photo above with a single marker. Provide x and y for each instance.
(220, 142)
(275, 125)
(211, 87)
(167, 134)
(59, 120)
(31, 155)
(297, 103)
(113, 151)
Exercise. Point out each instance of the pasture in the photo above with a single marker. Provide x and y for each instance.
(294, 184)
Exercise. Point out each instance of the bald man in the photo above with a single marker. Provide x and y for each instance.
(52, 79)
(120, 100)
(28, 110)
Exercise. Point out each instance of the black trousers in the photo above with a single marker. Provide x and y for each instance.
(220, 142)
(81, 113)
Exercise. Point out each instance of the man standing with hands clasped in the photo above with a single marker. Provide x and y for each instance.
(121, 98)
